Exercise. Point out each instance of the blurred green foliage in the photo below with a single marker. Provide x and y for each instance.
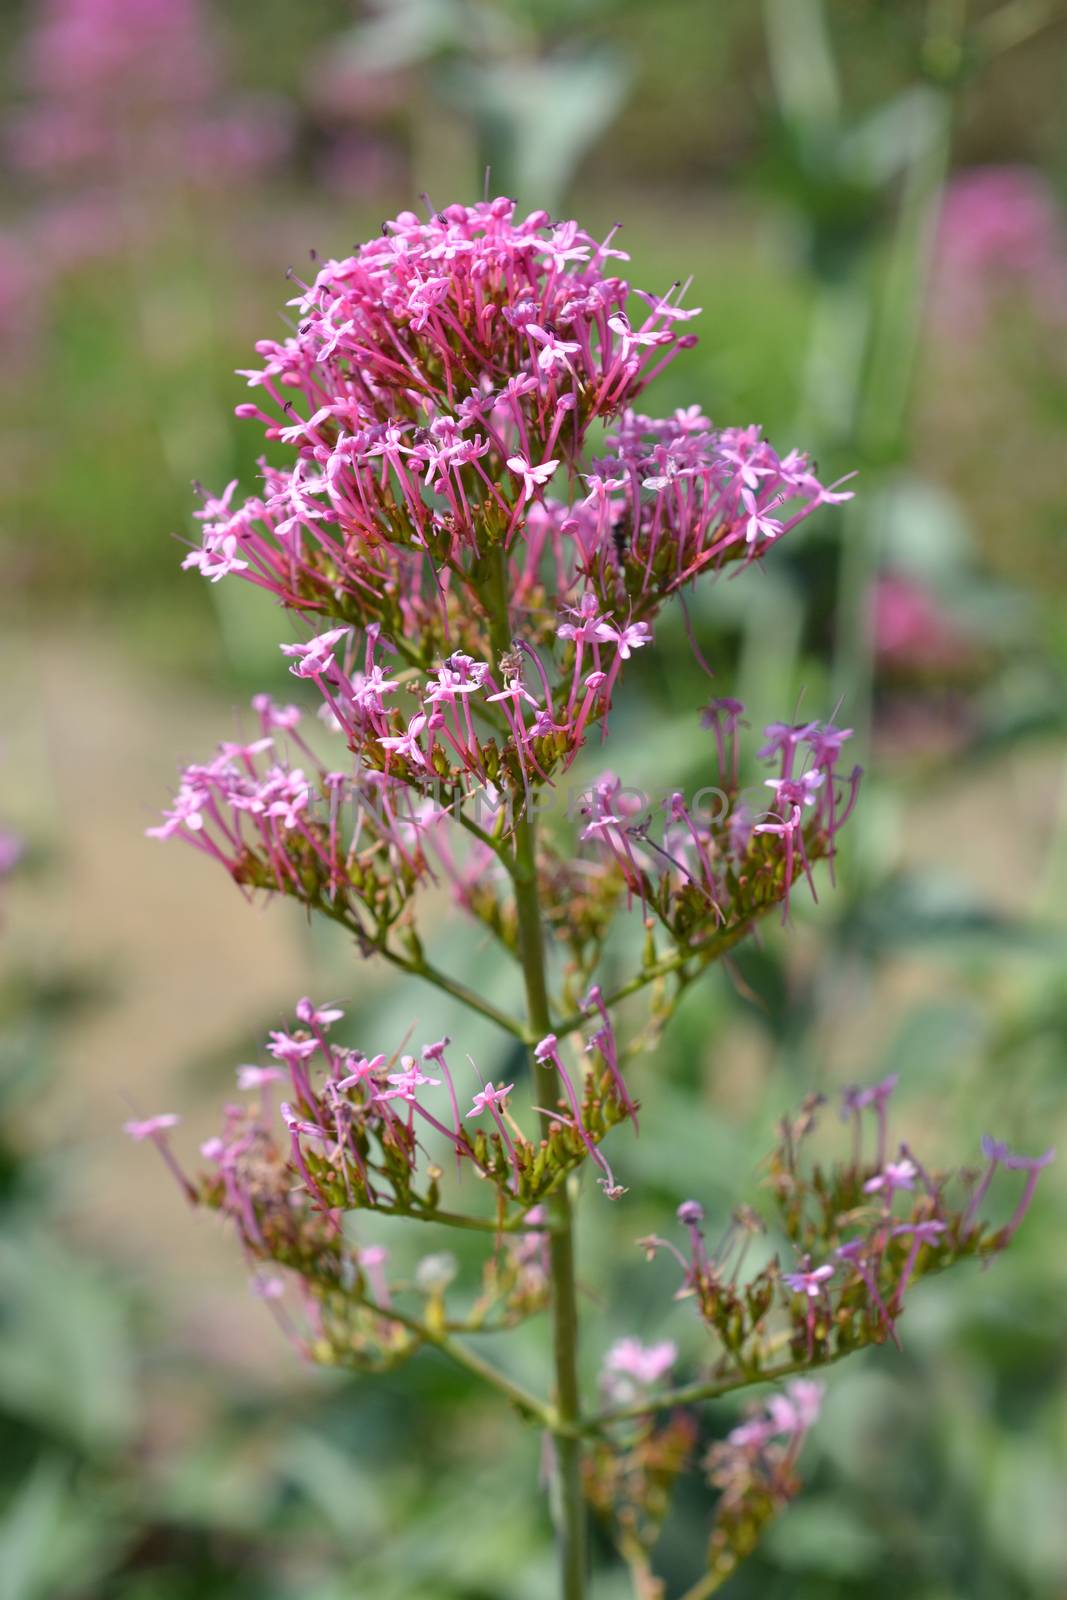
(777, 164)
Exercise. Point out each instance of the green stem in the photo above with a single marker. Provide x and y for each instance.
(692, 1393)
(462, 1356)
(570, 1505)
(569, 1499)
(801, 59)
(884, 401)
(454, 1219)
(707, 1585)
(714, 1389)
(483, 837)
(419, 967)
(675, 962)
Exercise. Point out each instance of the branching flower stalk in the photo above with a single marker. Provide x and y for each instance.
(470, 575)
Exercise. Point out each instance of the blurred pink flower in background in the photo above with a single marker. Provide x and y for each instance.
(255, 134)
(1001, 232)
(363, 115)
(72, 228)
(12, 849)
(359, 166)
(128, 86)
(928, 662)
(156, 48)
(910, 629)
(339, 87)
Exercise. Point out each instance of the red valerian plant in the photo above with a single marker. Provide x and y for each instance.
(470, 582)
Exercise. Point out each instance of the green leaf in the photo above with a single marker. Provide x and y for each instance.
(343, 1491)
(823, 1535)
(29, 1524)
(538, 118)
(65, 1361)
(52, 1540)
(938, 910)
(403, 34)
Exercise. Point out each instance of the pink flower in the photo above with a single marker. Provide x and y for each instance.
(155, 1131)
(554, 352)
(998, 1154)
(514, 691)
(804, 1397)
(791, 794)
(406, 744)
(809, 1282)
(407, 1083)
(927, 1231)
(546, 1051)
(298, 1125)
(758, 524)
(1001, 227)
(317, 1016)
(620, 324)
(150, 1127)
(790, 1415)
(894, 1175)
(533, 478)
(645, 1364)
(275, 716)
(588, 621)
(562, 246)
(258, 1077)
(628, 639)
(912, 630)
(361, 1069)
(219, 557)
(491, 1099)
(314, 657)
(186, 812)
(372, 1259)
(11, 851)
(287, 1047)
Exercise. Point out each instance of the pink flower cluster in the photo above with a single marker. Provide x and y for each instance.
(862, 1232)
(911, 631)
(119, 85)
(352, 1131)
(1001, 230)
(123, 109)
(274, 826)
(737, 858)
(631, 1368)
(787, 1417)
(449, 374)
(754, 1469)
(372, 833)
(474, 589)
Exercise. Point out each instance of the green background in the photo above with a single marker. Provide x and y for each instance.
(158, 1438)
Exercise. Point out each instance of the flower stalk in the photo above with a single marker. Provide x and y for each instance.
(569, 1497)
(567, 1493)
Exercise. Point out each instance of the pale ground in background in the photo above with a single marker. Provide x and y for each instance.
(91, 747)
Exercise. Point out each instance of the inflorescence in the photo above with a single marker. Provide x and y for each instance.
(474, 535)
